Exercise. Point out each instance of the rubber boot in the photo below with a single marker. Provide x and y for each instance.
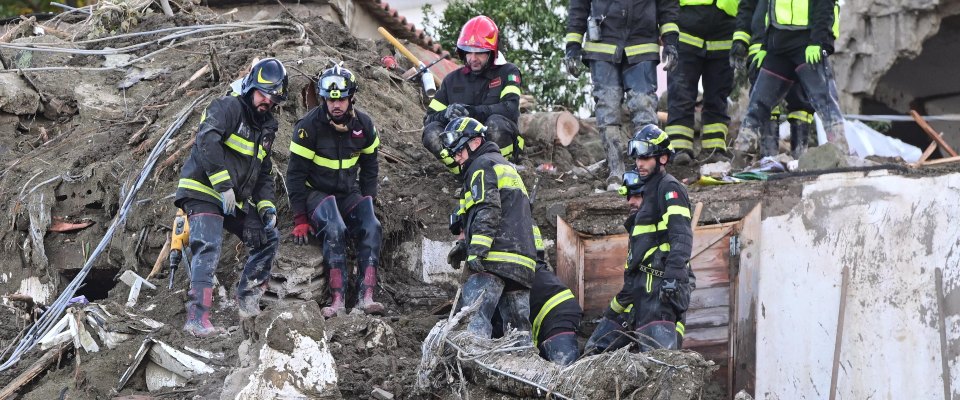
(248, 305)
(683, 157)
(818, 82)
(610, 137)
(658, 335)
(365, 293)
(799, 137)
(561, 349)
(198, 313)
(336, 306)
(609, 335)
(767, 93)
(482, 289)
(514, 310)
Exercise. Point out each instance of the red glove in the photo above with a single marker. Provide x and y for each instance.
(301, 230)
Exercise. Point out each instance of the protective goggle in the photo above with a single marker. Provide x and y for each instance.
(335, 84)
(641, 149)
(451, 141)
(274, 97)
(631, 183)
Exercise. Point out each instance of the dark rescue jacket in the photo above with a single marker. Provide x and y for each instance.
(553, 308)
(497, 220)
(232, 150)
(496, 90)
(628, 28)
(789, 26)
(322, 159)
(661, 236)
(707, 26)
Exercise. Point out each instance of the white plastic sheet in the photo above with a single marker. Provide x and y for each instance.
(864, 141)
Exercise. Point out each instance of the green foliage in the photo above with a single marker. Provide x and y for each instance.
(21, 7)
(531, 36)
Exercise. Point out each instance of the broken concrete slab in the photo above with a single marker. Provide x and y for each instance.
(822, 157)
(285, 356)
(17, 96)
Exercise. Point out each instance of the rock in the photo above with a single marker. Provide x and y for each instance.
(286, 355)
(381, 394)
(716, 170)
(822, 157)
(16, 95)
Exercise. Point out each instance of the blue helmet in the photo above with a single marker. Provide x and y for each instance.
(649, 141)
(458, 132)
(269, 77)
(336, 83)
(632, 184)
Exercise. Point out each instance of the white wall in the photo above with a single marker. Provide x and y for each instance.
(892, 232)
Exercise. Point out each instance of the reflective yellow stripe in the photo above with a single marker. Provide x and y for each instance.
(714, 144)
(199, 187)
(664, 247)
(649, 282)
(302, 151)
(477, 175)
(510, 89)
(755, 48)
(537, 239)
(240, 145)
(436, 105)
(480, 240)
(681, 130)
(676, 210)
(502, 256)
(616, 307)
(508, 178)
(718, 45)
(219, 177)
(691, 40)
(574, 37)
(345, 163)
(264, 204)
(641, 229)
(372, 147)
(669, 27)
(681, 329)
(550, 305)
(595, 47)
(802, 116)
(641, 49)
(716, 127)
(261, 154)
(741, 35)
(508, 150)
(681, 144)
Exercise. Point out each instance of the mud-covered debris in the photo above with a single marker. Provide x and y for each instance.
(166, 366)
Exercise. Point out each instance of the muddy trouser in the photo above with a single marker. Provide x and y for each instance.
(501, 130)
(207, 223)
(611, 332)
(364, 229)
(799, 115)
(560, 348)
(658, 324)
(717, 75)
(333, 231)
(776, 77)
(483, 289)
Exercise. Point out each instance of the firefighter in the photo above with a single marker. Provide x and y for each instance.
(496, 228)
(751, 31)
(332, 181)
(554, 316)
(486, 89)
(621, 48)
(799, 38)
(611, 332)
(660, 245)
(227, 183)
(705, 30)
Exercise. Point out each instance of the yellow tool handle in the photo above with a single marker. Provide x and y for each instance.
(180, 235)
(403, 50)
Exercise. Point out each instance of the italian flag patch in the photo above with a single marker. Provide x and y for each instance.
(513, 78)
(671, 195)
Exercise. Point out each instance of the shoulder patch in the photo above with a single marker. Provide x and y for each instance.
(671, 195)
(496, 82)
(513, 78)
(302, 133)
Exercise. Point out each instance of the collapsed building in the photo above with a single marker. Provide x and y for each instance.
(812, 284)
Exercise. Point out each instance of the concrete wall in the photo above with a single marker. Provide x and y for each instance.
(893, 233)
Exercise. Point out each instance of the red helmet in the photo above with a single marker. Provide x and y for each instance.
(479, 34)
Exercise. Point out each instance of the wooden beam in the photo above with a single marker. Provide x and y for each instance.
(39, 366)
(943, 161)
(932, 133)
(697, 209)
(836, 346)
(927, 153)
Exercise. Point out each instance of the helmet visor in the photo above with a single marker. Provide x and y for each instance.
(449, 139)
(641, 149)
(272, 96)
(334, 85)
(631, 179)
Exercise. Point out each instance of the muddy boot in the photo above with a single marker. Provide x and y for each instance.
(683, 157)
(817, 81)
(368, 283)
(248, 304)
(658, 335)
(716, 155)
(482, 289)
(336, 306)
(610, 137)
(515, 313)
(767, 93)
(799, 137)
(198, 313)
(561, 349)
(608, 335)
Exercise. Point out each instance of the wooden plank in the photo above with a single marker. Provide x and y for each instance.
(696, 215)
(743, 367)
(834, 375)
(30, 373)
(932, 133)
(604, 257)
(927, 153)
(710, 297)
(569, 258)
(712, 268)
(705, 336)
(942, 161)
(708, 317)
(714, 352)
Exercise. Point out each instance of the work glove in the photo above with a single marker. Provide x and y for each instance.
(758, 59)
(669, 57)
(269, 218)
(229, 202)
(738, 55)
(456, 223)
(668, 290)
(301, 232)
(457, 254)
(573, 60)
(813, 54)
(475, 265)
(454, 111)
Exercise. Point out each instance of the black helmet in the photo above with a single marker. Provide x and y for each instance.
(649, 141)
(458, 132)
(269, 77)
(337, 82)
(632, 184)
